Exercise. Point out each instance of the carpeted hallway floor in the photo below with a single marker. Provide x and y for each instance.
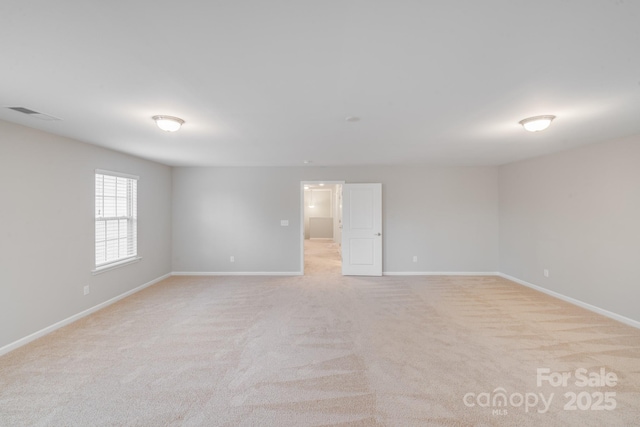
(327, 350)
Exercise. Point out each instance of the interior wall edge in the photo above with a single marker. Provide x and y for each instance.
(627, 321)
(47, 330)
(236, 273)
(440, 273)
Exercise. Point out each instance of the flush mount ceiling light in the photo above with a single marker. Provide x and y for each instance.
(537, 123)
(168, 123)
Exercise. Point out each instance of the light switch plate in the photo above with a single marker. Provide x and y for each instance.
(284, 222)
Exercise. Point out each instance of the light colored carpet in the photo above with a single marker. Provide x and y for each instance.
(322, 350)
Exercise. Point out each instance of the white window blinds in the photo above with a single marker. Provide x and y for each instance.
(116, 218)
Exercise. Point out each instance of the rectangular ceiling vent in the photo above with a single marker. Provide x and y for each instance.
(34, 114)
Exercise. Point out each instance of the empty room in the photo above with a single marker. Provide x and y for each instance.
(335, 213)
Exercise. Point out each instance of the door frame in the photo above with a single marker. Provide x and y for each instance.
(302, 207)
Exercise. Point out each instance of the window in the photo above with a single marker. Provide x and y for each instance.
(116, 219)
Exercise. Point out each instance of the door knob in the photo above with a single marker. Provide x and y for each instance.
(379, 234)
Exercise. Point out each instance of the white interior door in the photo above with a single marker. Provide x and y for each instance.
(362, 229)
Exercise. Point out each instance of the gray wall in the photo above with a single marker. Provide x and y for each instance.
(447, 216)
(321, 227)
(577, 214)
(47, 234)
(322, 200)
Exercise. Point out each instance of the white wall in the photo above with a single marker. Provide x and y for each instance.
(47, 233)
(577, 214)
(322, 206)
(321, 227)
(447, 216)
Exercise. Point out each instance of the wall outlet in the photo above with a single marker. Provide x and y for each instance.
(86, 290)
(546, 272)
(284, 222)
(232, 259)
(415, 258)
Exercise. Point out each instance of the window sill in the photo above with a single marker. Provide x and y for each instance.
(103, 268)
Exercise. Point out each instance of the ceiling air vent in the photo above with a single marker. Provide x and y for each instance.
(34, 114)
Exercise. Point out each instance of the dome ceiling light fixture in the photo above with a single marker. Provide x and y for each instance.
(168, 123)
(537, 123)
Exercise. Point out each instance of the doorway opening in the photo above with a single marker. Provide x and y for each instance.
(321, 245)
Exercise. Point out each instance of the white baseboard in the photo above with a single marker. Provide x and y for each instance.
(42, 332)
(22, 341)
(440, 273)
(574, 301)
(236, 273)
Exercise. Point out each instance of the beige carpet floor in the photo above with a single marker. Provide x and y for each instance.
(326, 350)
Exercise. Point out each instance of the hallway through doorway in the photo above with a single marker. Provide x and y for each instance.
(322, 258)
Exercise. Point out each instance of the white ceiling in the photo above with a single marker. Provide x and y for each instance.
(271, 82)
